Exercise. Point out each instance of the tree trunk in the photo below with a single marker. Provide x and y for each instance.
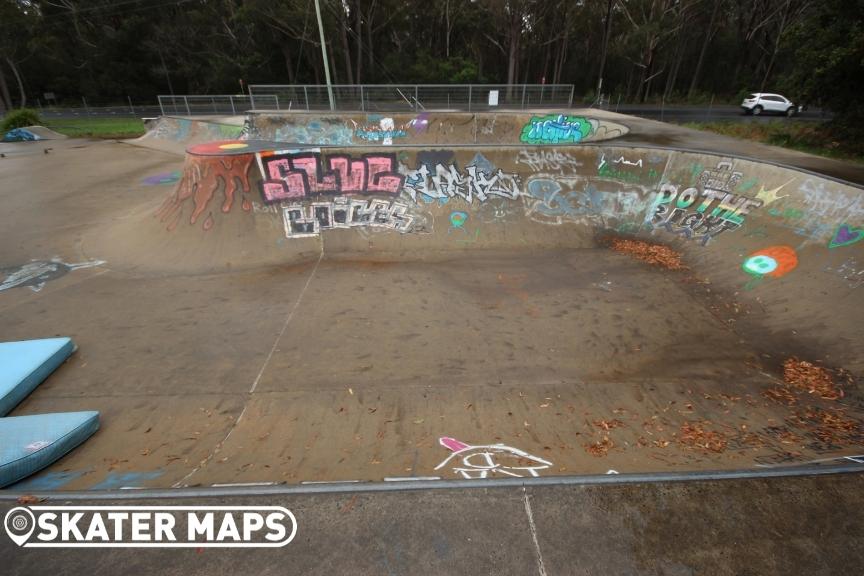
(343, 29)
(447, 29)
(607, 29)
(779, 37)
(694, 82)
(370, 57)
(513, 55)
(358, 42)
(20, 82)
(5, 97)
(286, 55)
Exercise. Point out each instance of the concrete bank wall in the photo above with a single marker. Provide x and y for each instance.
(176, 133)
(431, 128)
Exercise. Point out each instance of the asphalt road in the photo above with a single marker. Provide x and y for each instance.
(706, 113)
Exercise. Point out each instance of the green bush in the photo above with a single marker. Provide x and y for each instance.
(19, 118)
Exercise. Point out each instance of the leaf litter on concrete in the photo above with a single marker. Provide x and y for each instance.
(655, 254)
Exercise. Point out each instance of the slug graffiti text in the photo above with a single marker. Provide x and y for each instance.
(556, 129)
(718, 211)
(292, 176)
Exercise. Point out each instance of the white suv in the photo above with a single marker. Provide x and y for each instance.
(760, 102)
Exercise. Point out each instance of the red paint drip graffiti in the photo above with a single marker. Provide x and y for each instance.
(202, 177)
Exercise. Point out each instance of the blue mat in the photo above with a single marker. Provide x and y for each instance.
(30, 443)
(24, 365)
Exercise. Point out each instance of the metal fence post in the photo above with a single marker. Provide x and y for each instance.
(523, 95)
(570, 100)
(362, 103)
(161, 108)
(306, 95)
(470, 86)
(213, 102)
(251, 98)
(416, 100)
(86, 109)
(186, 100)
(231, 100)
(132, 108)
(276, 96)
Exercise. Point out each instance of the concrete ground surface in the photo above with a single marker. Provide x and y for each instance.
(353, 368)
(764, 527)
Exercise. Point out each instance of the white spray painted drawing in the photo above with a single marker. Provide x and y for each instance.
(490, 460)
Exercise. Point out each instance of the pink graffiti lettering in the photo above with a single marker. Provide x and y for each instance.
(297, 175)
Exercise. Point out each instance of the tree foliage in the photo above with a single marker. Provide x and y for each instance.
(655, 49)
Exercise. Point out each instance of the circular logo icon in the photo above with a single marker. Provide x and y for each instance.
(19, 523)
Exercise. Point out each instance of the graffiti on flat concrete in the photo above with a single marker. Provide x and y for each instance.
(489, 461)
(343, 212)
(619, 168)
(542, 160)
(182, 129)
(316, 132)
(385, 132)
(827, 205)
(703, 214)
(162, 179)
(548, 202)
(774, 261)
(293, 176)
(458, 219)
(446, 181)
(35, 274)
(556, 129)
(846, 235)
(419, 124)
(203, 176)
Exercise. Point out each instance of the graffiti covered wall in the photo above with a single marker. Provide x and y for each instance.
(721, 209)
(426, 128)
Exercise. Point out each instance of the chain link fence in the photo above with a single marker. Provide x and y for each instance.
(374, 97)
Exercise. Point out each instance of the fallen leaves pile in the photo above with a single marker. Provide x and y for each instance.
(600, 448)
(781, 394)
(656, 254)
(810, 378)
(829, 427)
(694, 435)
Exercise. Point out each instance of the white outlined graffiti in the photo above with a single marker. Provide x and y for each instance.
(490, 460)
(35, 274)
(304, 221)
(447, 182)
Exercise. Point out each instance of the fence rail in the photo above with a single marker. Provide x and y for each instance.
(374, 97)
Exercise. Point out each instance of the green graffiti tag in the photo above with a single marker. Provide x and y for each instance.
(555, 129)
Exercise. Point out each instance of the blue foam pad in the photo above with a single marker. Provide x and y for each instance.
(24, 365)
(30, 443)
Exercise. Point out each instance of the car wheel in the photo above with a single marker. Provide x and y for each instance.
(790, 112)
(757, 110)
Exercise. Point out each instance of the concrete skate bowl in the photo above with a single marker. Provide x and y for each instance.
(496, 311)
